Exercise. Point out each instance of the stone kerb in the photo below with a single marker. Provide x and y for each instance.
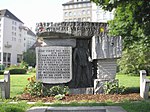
(144, 85)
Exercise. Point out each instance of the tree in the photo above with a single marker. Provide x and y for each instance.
(30, 57)
(132, 22)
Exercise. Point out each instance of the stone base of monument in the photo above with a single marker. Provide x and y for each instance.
(89, 90)
(78, 109)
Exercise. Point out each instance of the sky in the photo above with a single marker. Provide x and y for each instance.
(31, 12)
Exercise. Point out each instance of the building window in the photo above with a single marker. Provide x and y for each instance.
(88, 11)
(83, 12)
(19, 58)
(79, 19)
(4, 57)
(79, 5)
(66, 14)
(8, 57)
(88, 19)
(70, 13)
(71, 6)
(83, 19)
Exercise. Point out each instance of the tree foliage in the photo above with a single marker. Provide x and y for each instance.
(29, 57)
(132, 22)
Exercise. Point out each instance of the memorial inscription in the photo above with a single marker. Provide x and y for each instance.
(54, 64)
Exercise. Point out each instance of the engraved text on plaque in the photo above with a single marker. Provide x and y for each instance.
(54, 64)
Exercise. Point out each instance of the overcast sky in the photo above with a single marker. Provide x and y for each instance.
(32, 11)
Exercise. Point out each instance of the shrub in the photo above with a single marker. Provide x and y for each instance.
(56, 90)
(135, 59)
(111, 87)
(32, 70)
(36, 88)
(1, 72)
(18, 71)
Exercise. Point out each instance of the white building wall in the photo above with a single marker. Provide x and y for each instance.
(12, 39)
(104, 16)
(30, 40)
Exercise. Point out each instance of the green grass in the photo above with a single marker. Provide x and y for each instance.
(17, 83)
(128, 81)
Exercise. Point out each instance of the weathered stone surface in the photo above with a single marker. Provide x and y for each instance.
(88, 90)
(54, 64)
(72, 29)
(5, 85)
(60, 42)
(78, 109)
(104, 47)
(144, 85)
(106, 69)
(90, 44)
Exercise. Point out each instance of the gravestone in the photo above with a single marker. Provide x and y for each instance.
(54, 64)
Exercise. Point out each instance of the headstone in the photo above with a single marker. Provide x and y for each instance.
(54, 64)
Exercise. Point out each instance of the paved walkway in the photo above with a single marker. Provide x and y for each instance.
(78, 109)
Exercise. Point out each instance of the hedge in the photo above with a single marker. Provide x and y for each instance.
(18, 71)
(1, 72)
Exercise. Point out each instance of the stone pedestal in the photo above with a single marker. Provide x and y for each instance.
(106, 68)
(5, 85)
(144, 85)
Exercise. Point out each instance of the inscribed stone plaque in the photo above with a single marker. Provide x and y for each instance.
(54, 64)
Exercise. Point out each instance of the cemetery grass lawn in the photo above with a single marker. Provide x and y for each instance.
(17, 83)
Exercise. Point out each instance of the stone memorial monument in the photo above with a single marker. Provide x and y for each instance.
(76, 53)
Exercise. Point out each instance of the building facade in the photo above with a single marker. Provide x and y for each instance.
(84, 10)
(30, 39)
(12, 38)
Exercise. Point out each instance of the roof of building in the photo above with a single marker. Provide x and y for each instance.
(8, 14)
(72, 2)
(29, 32)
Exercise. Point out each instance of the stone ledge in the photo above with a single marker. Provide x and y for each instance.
(78, 109)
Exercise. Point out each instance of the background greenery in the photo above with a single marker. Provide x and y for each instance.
(132, 22)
